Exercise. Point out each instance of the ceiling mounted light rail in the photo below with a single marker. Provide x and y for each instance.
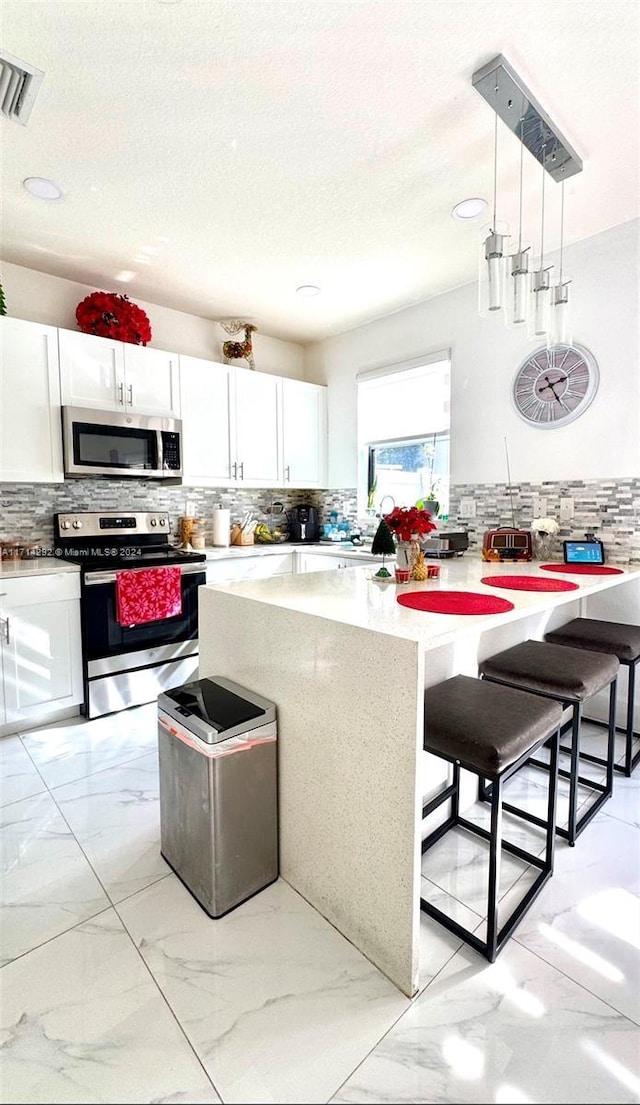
(512, 102)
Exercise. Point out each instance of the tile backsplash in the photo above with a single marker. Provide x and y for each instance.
(608, 508)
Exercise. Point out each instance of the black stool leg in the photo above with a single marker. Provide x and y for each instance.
(552, 800)
(495, 855)
(630, 760)
(573, 781)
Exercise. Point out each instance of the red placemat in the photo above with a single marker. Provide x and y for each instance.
(455, 602)
(529, 583)
(583, 569)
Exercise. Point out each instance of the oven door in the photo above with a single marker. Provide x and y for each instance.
(110, 647)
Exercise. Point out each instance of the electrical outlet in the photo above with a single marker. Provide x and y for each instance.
(467, 508)
(346, 506)
(539, 506)
(566, 510)
(189, 509)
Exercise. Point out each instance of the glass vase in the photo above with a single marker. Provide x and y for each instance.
(407, 554)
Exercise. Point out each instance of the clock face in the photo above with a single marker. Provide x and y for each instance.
(555, 385)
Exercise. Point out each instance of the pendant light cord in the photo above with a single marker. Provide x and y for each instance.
(561, 229)
(521, 170)
(495, 161)
(542, 224)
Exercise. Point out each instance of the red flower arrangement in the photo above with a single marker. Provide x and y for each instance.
(110, 315)
(408, 522)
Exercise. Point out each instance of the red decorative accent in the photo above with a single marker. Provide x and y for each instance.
(147, 595)
(110, 315)
(583, 569)
(529, 583)
(407, 522)
(455, 602)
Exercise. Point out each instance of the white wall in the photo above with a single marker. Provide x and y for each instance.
(603, 442)
(38, 297)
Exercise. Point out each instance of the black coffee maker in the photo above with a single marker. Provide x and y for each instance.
(303, 523)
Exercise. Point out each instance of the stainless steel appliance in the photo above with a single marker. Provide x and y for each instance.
(128, 665)
(303, 523)
(218, 790)
(445, 544)
(110, 443)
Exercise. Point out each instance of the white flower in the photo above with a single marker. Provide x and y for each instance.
(544, 526)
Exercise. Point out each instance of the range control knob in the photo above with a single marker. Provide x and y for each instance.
(154, 522)
(65, 525)
(77, 524)
(163, 521)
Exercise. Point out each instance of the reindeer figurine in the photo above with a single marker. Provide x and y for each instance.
(240, 350)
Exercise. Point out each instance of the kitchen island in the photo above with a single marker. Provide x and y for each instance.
(348, 666)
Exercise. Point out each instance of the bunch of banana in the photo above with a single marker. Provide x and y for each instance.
(262, 533)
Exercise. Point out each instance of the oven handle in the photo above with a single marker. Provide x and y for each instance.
(92, 579)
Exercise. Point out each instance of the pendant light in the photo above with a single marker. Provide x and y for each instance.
(540, 311)
(492, 255)
(560, 321)
(517, 312)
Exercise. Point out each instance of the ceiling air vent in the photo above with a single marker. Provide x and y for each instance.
(19, 84)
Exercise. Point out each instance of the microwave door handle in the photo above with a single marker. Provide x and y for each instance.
(159, 451)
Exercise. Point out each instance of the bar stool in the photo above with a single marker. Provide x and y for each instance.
(490, 731)
(570, 676)
(622, 641)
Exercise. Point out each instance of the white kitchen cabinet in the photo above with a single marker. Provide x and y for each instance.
(30, 430)
(205, 388)
(113, 375)
(331, 561)
(260, 566)
(40, 646)
(256, 417)
(230, 425)
(304, 434)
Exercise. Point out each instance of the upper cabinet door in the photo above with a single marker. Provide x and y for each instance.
(151, 381)
(304, 432)
(206, 448)
(257, 453)
(30, 430)
(91, 371)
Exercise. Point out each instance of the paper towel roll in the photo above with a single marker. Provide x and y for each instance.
(221, 526)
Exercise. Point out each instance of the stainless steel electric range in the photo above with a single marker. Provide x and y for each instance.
(126, 665)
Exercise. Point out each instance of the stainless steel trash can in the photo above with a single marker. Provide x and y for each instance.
(218, 790)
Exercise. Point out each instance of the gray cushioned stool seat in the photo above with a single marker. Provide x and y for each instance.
(492, 731)
(484, 725)
(621, 640)
(617, 638)
(570, 676)
(568, 673)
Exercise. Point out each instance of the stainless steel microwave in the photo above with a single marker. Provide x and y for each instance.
(110, 443)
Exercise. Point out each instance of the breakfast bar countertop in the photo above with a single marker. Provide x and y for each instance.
(347, 667)
(354, 598)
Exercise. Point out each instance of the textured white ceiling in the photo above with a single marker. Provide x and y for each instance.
(227, 151)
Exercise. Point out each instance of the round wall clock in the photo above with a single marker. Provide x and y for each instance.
(555, 385)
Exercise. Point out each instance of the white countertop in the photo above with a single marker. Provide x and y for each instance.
(35, 566)
(334, 548)
(352, 597)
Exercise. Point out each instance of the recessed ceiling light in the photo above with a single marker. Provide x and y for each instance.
(469, 209)
(308, 290)
(42, 188)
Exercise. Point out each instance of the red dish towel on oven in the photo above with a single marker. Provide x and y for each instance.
(147, 595)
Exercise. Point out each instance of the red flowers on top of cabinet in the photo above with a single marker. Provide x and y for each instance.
(111, 315)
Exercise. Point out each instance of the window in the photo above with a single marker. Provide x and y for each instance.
(403, 434)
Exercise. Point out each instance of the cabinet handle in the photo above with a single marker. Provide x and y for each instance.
(241, 467)
(234, 474)
(121, 394)
(287, 474)
(130, 390)
(5, 626)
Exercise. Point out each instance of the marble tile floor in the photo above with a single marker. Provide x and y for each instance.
(116, 987)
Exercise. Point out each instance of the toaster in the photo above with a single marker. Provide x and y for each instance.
(507, 544)
(445, 544)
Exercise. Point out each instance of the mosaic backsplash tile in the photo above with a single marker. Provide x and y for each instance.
(608, 508)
